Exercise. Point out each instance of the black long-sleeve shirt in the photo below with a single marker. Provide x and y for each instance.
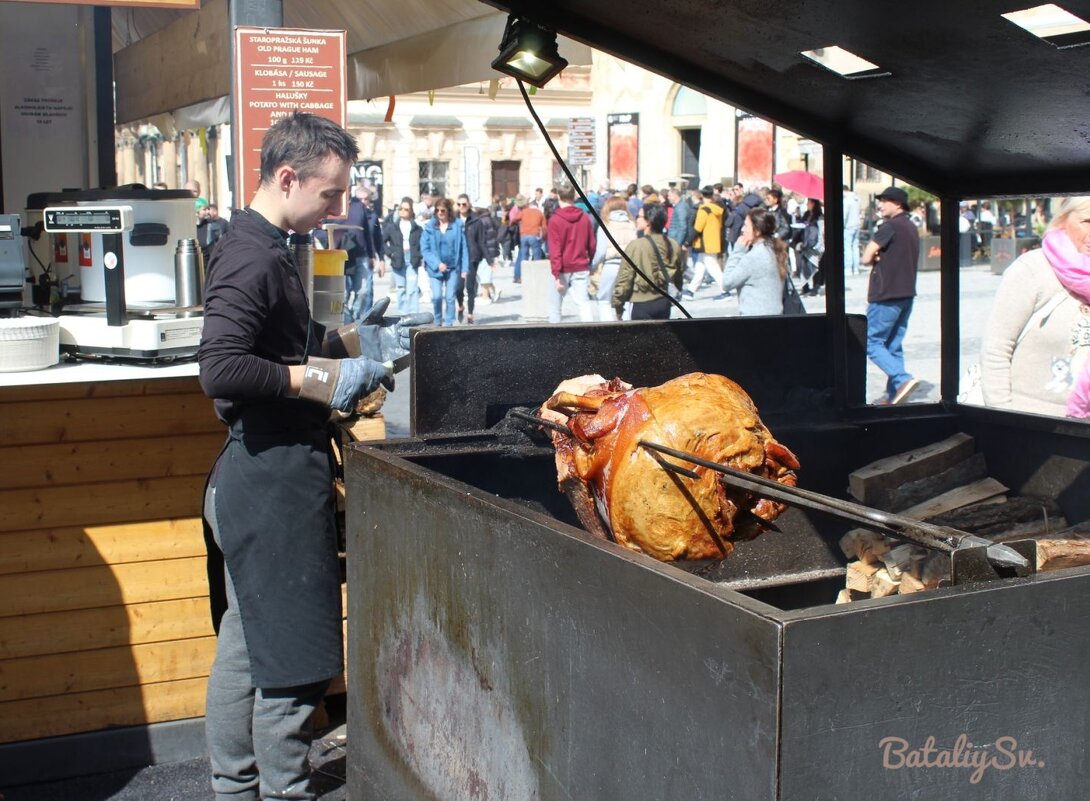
(256, 322)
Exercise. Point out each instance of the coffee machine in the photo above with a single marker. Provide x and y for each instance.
(119, 256)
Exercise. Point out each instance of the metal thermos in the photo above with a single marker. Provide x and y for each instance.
(188, 275)
(302, 249)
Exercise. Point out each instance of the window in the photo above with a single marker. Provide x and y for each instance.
(865, 172)
(433, 177)
(688, 102)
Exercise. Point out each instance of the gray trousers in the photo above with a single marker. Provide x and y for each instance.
(258, 738)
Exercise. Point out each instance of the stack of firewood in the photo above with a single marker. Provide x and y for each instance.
(945, 483)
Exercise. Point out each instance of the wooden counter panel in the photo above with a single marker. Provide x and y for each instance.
(98, 504)
(105, 627)
(77, 712)
(105, 668)
(70, 463)
(105, 586)
(184, 385)
(60, 548)
(54, 421)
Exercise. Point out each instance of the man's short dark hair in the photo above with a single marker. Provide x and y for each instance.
(304, 141)
(565, 192)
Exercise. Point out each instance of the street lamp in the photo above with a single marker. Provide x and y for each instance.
(528, 52)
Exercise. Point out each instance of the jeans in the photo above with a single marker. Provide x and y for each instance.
(443, 289)
(407, 284)
(887, 322)
(527, 243)
(851, 249)
(359, 290)
(258, 738)
(610, 268)
(576, 288)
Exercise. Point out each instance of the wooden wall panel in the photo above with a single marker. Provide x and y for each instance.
(70, 463)
(108, 585)
(99, 504)
(105, 668)
(53, 421)
(77, 546)
(104, 627)
(33, 718)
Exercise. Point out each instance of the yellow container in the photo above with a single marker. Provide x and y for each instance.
(329, 262)
(327, 295)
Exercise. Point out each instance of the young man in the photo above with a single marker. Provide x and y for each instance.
(893, 253)
(571, 250)
(274, 577)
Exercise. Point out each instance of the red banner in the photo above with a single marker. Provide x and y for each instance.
(278, 71)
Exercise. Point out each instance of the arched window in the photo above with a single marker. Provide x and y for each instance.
(688, 102)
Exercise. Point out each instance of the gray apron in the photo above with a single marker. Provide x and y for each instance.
(275, 510)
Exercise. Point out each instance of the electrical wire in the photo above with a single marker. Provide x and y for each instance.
(590, 207)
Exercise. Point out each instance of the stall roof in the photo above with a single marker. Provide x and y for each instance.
(166, 60)
(973, 105)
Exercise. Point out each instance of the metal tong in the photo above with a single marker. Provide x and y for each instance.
(939, 538)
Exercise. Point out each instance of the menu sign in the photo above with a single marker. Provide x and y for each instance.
(581, 145)
(278, 71)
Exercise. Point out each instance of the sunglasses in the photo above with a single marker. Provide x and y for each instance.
(462, 205)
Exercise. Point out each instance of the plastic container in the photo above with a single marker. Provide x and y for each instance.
(327, 302)
(29, 343)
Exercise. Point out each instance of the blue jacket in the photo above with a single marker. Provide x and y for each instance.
(449, 248)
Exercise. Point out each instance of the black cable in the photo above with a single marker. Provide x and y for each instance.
(590, 207)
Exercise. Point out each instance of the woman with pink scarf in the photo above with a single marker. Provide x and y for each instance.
(1038, 335)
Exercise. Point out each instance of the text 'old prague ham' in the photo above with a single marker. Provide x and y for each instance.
(620, 491)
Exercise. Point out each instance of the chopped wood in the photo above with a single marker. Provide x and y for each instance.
(882, 584)
(912, 493)
(955, 499)
(848, 544)
(935, 569)
(873, 483)
(858, 576)
(910, 584)
(992, 520)
(844, 596)
(1056, 554)
(899, 560)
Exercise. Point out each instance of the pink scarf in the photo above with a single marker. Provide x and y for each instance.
(1072, 269)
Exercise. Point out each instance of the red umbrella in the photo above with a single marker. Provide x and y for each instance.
(805, 183)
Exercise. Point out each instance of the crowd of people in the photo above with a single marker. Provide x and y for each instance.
(699, 233)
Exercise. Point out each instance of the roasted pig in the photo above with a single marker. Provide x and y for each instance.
(621, 491)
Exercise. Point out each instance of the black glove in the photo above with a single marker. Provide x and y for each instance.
(382, 339)
(340, 383)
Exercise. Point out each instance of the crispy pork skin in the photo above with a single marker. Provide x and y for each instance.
(621, 491)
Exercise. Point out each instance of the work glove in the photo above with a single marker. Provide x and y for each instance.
(382, 339)
(340, 383)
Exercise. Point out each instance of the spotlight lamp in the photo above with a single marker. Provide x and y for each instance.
(528, 52)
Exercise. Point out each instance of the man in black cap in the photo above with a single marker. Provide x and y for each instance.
(893, 254)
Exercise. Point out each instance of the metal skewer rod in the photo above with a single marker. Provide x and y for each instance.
(541, 421)
(940, 538)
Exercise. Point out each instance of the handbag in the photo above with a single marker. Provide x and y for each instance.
(792, 303)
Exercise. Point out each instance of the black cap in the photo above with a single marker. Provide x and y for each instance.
(896, 194)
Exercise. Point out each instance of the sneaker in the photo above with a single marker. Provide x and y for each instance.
(722, 296)
(496, 295)
(903, 391)
(687, 293)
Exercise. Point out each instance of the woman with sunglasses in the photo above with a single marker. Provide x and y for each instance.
(446, 256)
(401, 244)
